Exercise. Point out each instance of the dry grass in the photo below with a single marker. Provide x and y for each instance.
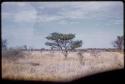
(45, 66)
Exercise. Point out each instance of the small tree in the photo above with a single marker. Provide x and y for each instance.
(42, 49)
(63, 42)
(119, 42)
(4, 44)
(81, 57)
(25, 47)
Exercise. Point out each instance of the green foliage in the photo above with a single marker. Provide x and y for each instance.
(50, 44)
(76, 44)
(59, 36)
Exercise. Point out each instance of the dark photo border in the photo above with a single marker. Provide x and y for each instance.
(115, 76)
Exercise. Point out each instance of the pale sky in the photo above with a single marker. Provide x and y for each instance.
(96, 23)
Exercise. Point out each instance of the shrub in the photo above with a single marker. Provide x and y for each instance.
(12, 53)
(94, 53)
(81, 57)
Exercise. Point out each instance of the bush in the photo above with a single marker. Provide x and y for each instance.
(81, 57)
(12, 53)
(94, 53)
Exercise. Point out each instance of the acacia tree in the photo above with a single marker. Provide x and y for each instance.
(63, 42)
(119, 42)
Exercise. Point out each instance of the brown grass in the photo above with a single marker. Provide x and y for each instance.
(47, 67)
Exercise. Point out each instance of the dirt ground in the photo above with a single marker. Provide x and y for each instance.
(48, 66)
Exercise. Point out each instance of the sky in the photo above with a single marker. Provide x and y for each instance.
(96, 23)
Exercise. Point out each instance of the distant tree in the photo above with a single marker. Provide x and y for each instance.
(30, 48)
(4, 44)
(42, 49)
(25, 47)
(119, 42)
(63, 42)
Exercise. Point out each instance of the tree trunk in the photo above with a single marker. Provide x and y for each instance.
(66, 54)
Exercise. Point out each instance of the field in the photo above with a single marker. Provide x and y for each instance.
(48, 66)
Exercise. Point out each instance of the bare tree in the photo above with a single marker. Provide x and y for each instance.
(4, 44)
(119, 43)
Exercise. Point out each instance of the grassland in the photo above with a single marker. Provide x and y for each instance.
(46, 66)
